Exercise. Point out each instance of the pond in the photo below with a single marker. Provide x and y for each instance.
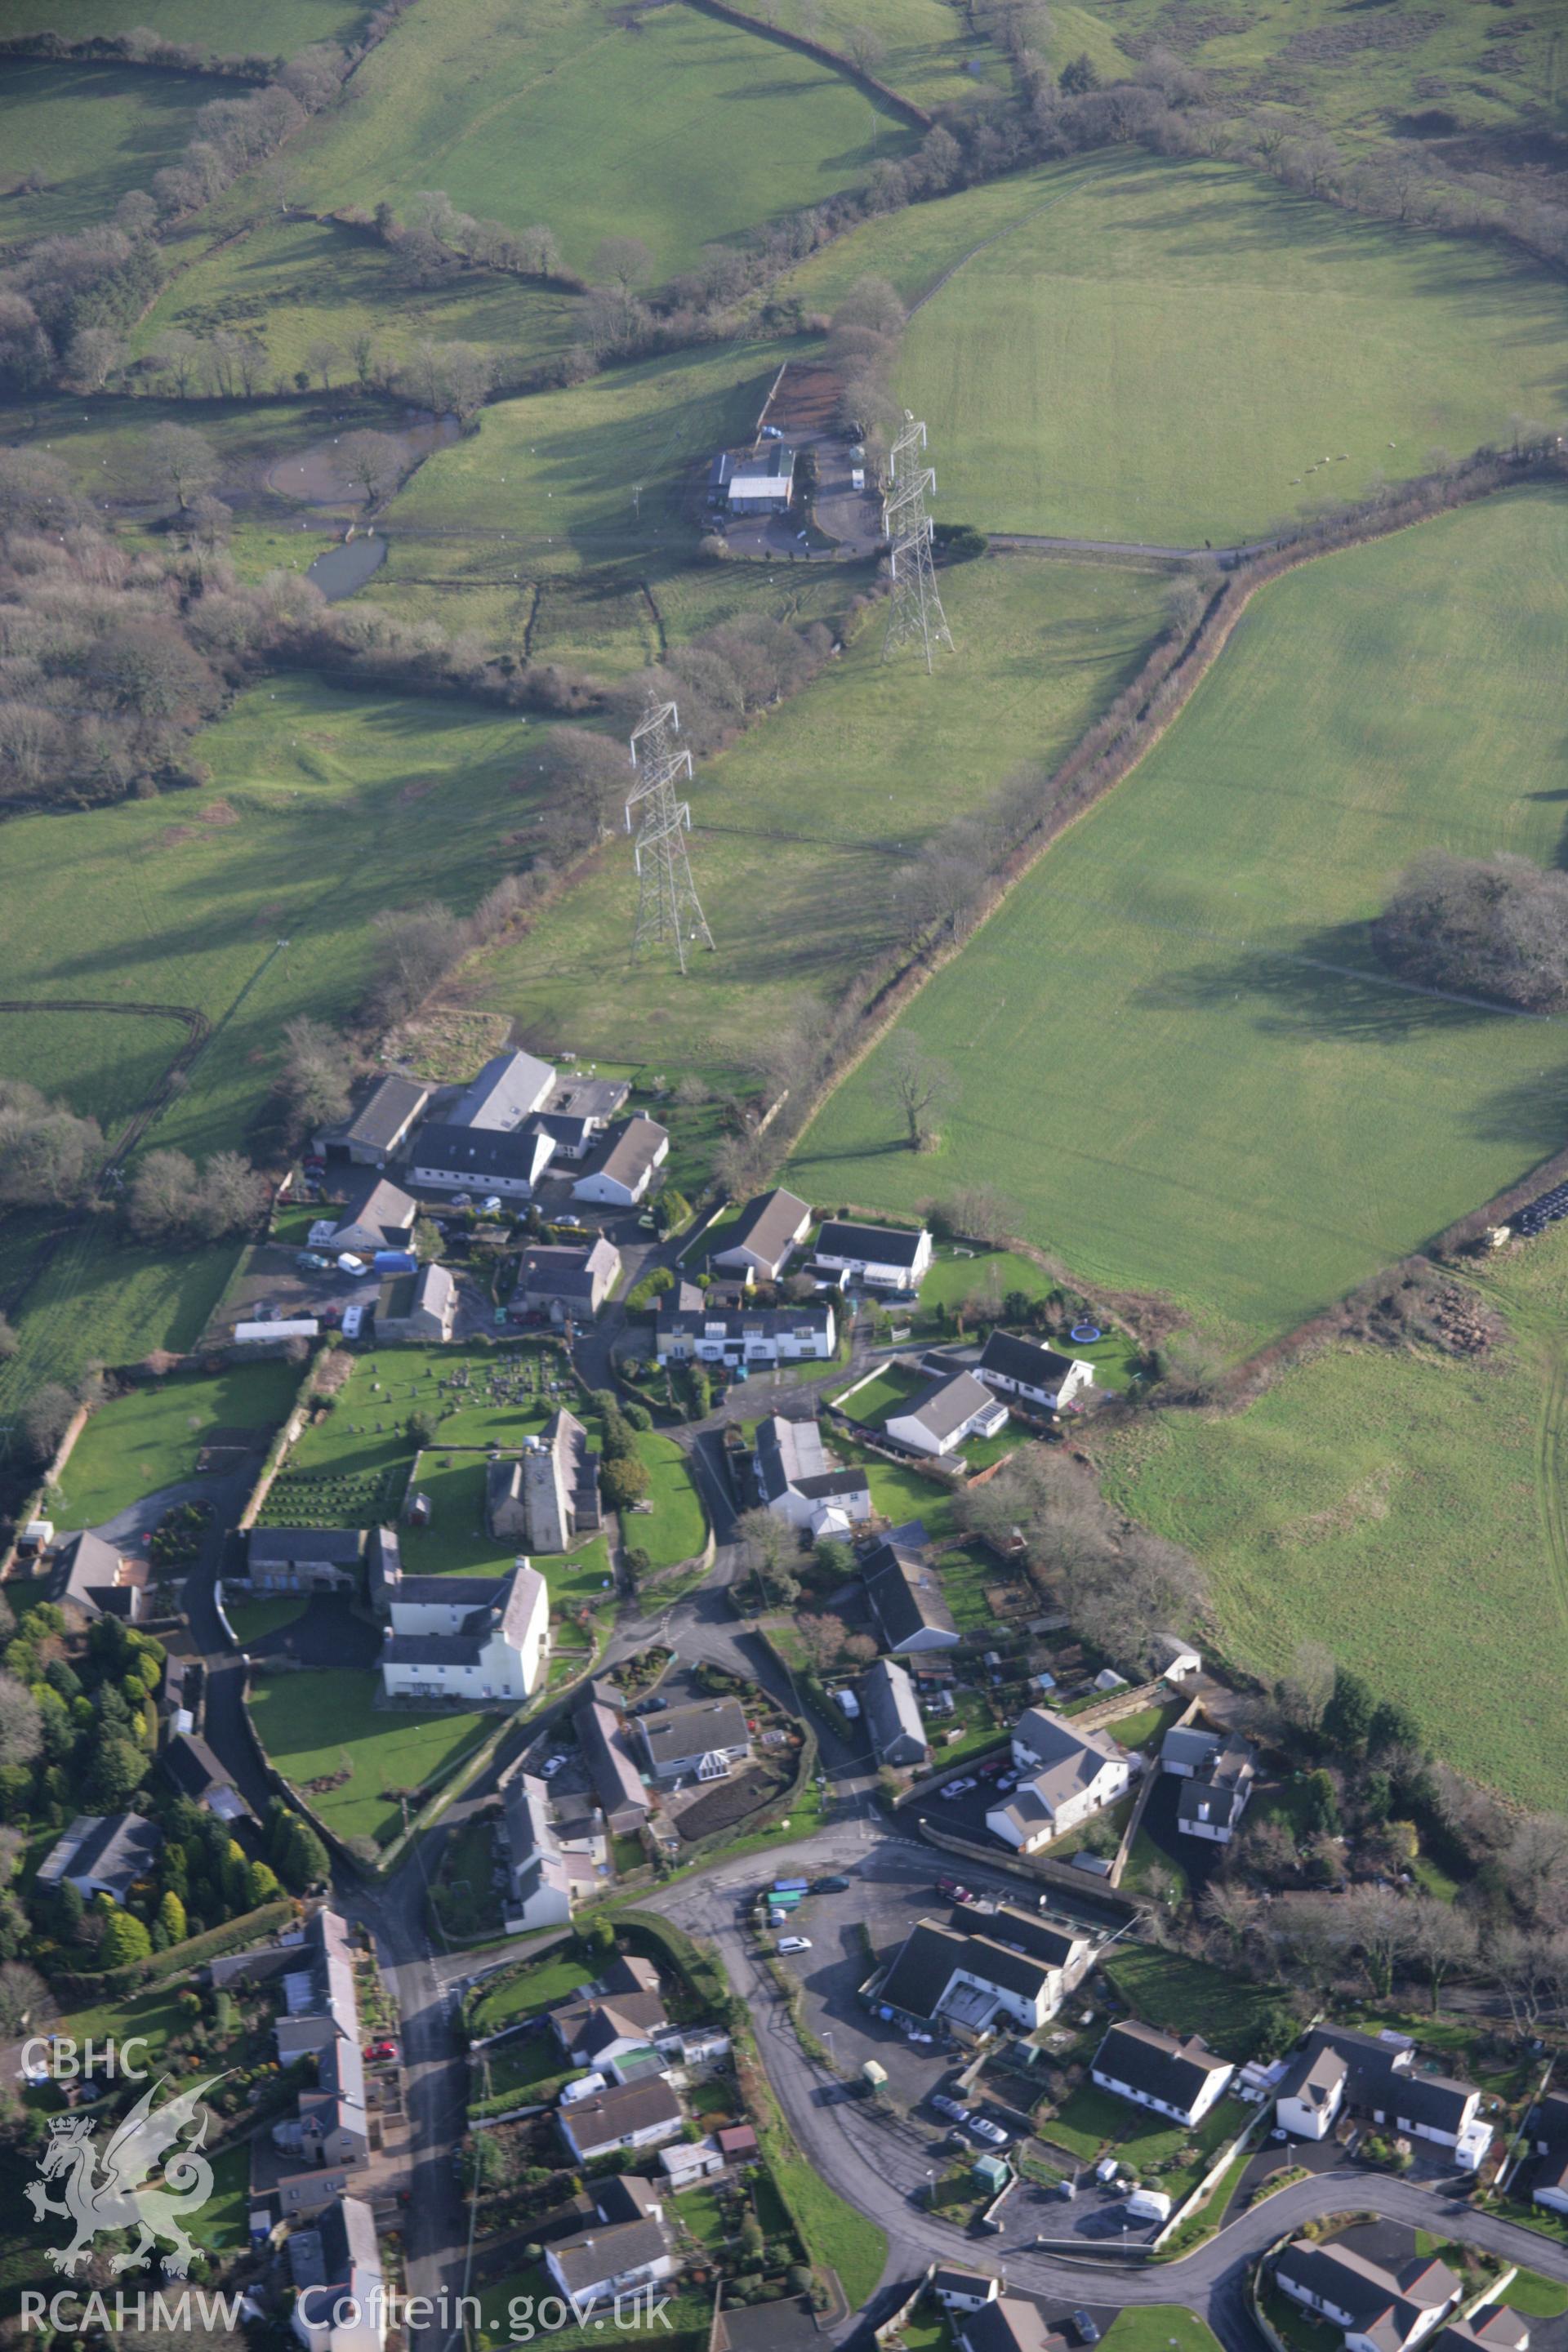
(348, 566)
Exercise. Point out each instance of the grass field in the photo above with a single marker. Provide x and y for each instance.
(1172, 1050)
(677, 1527)
(798, 823)
(681, 129)
(292, 280)
(277, 27)
(1403, 1509)
(90, 132)
(927, 46)
(1162, 351)
(189, 900)
(1186, 1997)
(152, 1436)
(317, 1723)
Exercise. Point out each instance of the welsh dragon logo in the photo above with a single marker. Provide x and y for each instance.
(111, 2194)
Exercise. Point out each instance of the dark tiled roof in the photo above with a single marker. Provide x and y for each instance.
(945, 1405)
(1157, 2064)
(632, 1149)
(1023, 1359)
(872, 1245)
(695, 1730)
(924, 1968)
(386, 1110)
(768, 1225)
(478, 1151)
(330, 1547)
(629, 2108)
(1007, 2325)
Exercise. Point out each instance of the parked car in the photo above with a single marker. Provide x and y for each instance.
(653, 1706)
(551, 1765)
(952, 2109)
(312, 1262)
(492, 1207)
(382, 2050)
(569, 1219)
(1087, 2328)
(958, 1788)
(647, 1221)
(795, 1943)
(953, 1888)
(330, 1315)
(353, 1321)
(829, 1886)
(1009, 1781)
(992, 2134)
(350, 1264)
(991, 1766)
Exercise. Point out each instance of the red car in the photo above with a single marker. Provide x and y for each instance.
(953, 1890)
(382, 2050)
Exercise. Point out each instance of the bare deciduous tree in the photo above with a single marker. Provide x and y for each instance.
(369, 462)
(917, 1085)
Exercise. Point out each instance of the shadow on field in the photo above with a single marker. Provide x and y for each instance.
(1329, 987)
(1532, 1113)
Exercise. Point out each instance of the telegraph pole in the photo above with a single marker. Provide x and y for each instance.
(670, 913)
(916, 614)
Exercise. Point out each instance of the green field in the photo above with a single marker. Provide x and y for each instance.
(90, 132)
(682, 130)
(1405, 1509)
(925, 44)
(799, 822)
(316, 1723)
(1172, 1048)
(252, 900)
(1185, 1997)
(269, 27)
(291, 281)
(152, 1436)
(677, 1527)
(1163, 352)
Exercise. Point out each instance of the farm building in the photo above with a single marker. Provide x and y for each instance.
(102, 1854)
(762, 483)
(303, 1560)
(373, 1134)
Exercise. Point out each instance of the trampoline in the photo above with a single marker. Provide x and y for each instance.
(1086, 1331)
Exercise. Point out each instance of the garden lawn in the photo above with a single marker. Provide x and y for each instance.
(316, 1723)
(1537, 2297)
(857, 772)
(545, 1981)
(1232, 1104)
(1403, 1508)
(187, 900)
(1094, 2121)
(1186, 1997)
(1156, 2327)
(517, 2064)
(887, 1391)
(1182, 352)
(91, 131)
(223, 2222)
(680, 130)
(677, 1527)
(152, 1436)
(252, 1620)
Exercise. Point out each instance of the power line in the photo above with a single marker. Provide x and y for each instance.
(916, 612)
(670, 913)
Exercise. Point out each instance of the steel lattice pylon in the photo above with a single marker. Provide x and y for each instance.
(916, 612)
(668, 910)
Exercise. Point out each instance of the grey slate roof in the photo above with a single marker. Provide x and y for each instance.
(86, 1570)
(867, 1245)
(1364, 2288)
(385, 1111)
(1007, 2325)
(768, 1225)
(889, 1697)
(508, 1087)
(617, 1781)
(608, 2251)
(328, 1546)
(903, 1590)
(1157, 2064)
(932, 1953)
(1070, 1759)
(378, 1205)
(1380, 2075)
(694, 1730)
(1024, 1360)
(790, 1454)
(1186, 1744)
(565, 1269)
(944, 1404)
(118, 1848)
(627, 2108)
(478, 1151)
(631, 1150)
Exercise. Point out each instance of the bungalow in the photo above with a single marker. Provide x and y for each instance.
(87, 1574)
(508, 1160)
(340, 2295)
(1338, 2069)
(625, 2246)
(102, 1854)
(972, 1979)
(623, 1171)
(1070, 1775)
(476, 1637)
(1181, 2079)
(948, 1410)
(617, 1782)
(375, 1216)
(884, 1257)
(905, 1594)
(610, 2031)
(539, 1881)
(640, 2114)
(689, 1325)
(700, 1741)
(1218, 1773)
(374, 1133)
(892, 1716)
(507, 1089)
(769, 1230)
(422, 1306)
(303, 1560)
(797, 1481)
(566, 1278)
(1036, 1375)
(1379, 2310)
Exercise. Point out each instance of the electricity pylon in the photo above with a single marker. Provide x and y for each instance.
(668, 910)
(916, 612)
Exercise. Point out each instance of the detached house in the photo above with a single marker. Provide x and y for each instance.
(770, 1230)
(906, 1594)
(798, 1483)
(892, 1716)
(1070, 1774)
(422, 1306)
(697, 1742)
(89, 1574)
(377, 1215)
(944, 1412)
(1379, 2310)
(1021, 1969)
(1035, 1375)
(625, 2246)
(884, 1258)
(566, 1278)
(624, 1170)
(102, 1854)
(1218, 1774)
(640, 2114)
(1181, 2079)
(539, 1879)
(1338, 2069)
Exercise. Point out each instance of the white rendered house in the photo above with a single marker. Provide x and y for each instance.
(468, 1637)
